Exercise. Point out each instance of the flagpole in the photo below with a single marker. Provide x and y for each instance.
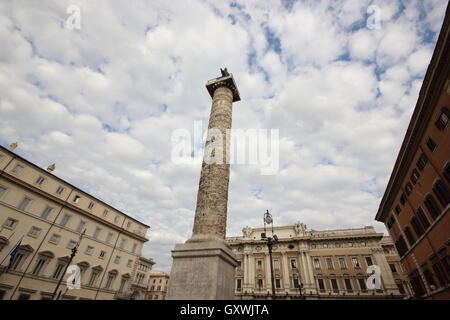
(13, 248)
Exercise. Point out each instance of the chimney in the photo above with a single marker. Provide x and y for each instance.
(51, 168)
(12, 146)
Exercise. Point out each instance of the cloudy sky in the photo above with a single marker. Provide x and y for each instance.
(102, 101)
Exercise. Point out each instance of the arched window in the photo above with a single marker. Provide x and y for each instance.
(442, 193)
(432, 206)
(409, 236)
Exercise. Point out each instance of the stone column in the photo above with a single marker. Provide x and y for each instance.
(203, 267)
(286, 280)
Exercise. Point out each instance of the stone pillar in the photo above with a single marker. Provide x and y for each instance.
(203, 267)
(285, 265)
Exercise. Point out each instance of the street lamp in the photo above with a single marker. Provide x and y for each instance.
(74, 252)
(268, 220)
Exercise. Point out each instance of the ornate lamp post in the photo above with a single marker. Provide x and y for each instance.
(268, 220)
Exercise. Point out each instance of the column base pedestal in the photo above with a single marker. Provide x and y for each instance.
(202, 271)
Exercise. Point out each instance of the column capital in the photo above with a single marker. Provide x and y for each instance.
(227, 81)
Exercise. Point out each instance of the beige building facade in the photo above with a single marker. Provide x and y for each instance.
(309, 264)
(158, 286)
(47, 215)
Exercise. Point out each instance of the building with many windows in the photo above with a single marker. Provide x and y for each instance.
(44, 216)
(158, 286)
(416, 202)
(309, 264)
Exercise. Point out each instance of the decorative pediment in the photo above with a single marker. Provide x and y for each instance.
(83, 264)
(27, 248)
(113, 272)
(126, 276)
(4, 241)
(98, 268)
(47, 254)
(65, 259)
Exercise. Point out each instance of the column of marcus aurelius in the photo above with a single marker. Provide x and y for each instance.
(203, 267)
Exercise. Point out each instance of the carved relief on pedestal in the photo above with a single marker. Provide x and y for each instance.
(299, 228)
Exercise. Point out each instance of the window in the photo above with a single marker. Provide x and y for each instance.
(65, 220)
(122, 285)
(16, 261)
(334, 285)
(116, 219)
(329, 263)
(238, 284)
(93, 278)
(109, 281)
(24, 296)
(417, 227)
(128, 224)
(398, 210)
(432, 206)
(362, 284)
(400, 286)
(402, 199)
(17, 169)
(415, 176)
(277, 283)
(10, 223)
(446, 173)
(96, 232)
(408, 188)
(260, 282)
(71, 244)
(321, 284)
(369, 261)
(134, 248)
(443, 118)
(59, 190)
(294, 263)
(442, 193)
(355, 262)
(24, 203)
(81, 226)
(422, 162)
(259, 264)
(2, 191)
(342, 263)
(316, 263)
(129, 263)
(401, 247)
(390, 222)
(34, 232)
(55, 238)
(337, 245)
(393, 268)
(89, 250)
(90, 205)
(431, 144)
(117, 259)
(422, 218)
(38, 267)
(46, 212)
(295, 281)
(40, 180)
(439, 270)
(276, 264)
(102, 254)
(109, 237)
(417, 284)
(409, 236)
(348, 285)
(105, 213)
(76, 199)
(58, 270)
(122, 243)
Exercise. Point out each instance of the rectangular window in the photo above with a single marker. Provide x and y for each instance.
(46, 213)
(59, 190)
(355, 262)
(76, 199)
(89, 250)
(24, 296)
(58, 270)
(122, 243)
(398, 210)
(443, 119)
(96, 232)
(294, 263)
(400, 286)
(238, 284)
(17, 169)
(422, 162)
(105, 213)
(134, 248)
(40, 180)
(2, 191)
(316, 263)
(278, 283)
(109, 281)
(55, 238)
(369, 261)
(34, 232)
(260, 283)
(37, 269)
(393, 269)
(102, 254)
(334, 285)
(362, 284)
(259, 264)
(276, 264)
(329, 263)
(348, 285)
(128, 224)
(342, 263)
(92, 279)
(81, 226)
(415, 176)
(65, 219)
(10, 223)
(16, 261)
(116, 219)
(117, 260)
(109, 237)
(90, 205)
(321, 284)
(122, 285)
(129, 264)
(71, 244)
(24, 203)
